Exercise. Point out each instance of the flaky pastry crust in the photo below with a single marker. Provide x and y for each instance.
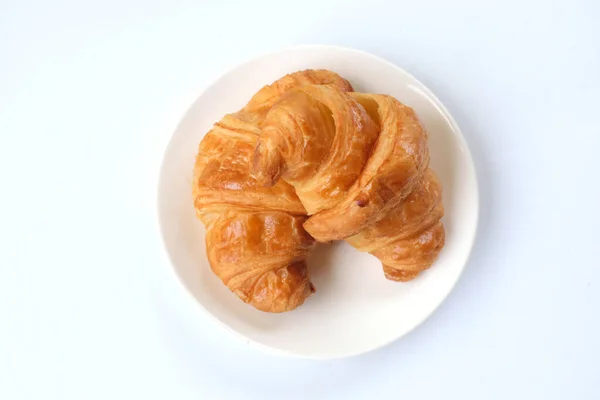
(359, 164)
(255, 240)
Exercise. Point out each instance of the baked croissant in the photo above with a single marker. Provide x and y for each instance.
(255, 241)
(359, 164)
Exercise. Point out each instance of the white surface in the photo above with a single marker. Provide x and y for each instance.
(355, 309)
(86, 307)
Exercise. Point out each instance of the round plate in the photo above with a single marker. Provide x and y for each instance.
(355, 309)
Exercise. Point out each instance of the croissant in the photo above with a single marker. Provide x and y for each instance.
(359, 165)
(255, 240)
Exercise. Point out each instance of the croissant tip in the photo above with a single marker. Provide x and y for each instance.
(266, 172)
(264, 179)
(399, 275)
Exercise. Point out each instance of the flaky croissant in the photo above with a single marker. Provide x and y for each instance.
(359, 164)
(255, 241)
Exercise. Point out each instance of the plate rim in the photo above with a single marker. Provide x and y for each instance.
(284, 352)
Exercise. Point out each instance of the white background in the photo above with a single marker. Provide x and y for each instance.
(90, 93)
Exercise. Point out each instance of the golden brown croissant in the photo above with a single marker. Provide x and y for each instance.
(359, 164)
(255, 241)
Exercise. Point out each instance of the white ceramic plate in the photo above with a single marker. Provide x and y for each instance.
(355, 309)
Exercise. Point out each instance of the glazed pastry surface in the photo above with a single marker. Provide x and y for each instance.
(359, 164)
(255, 240)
